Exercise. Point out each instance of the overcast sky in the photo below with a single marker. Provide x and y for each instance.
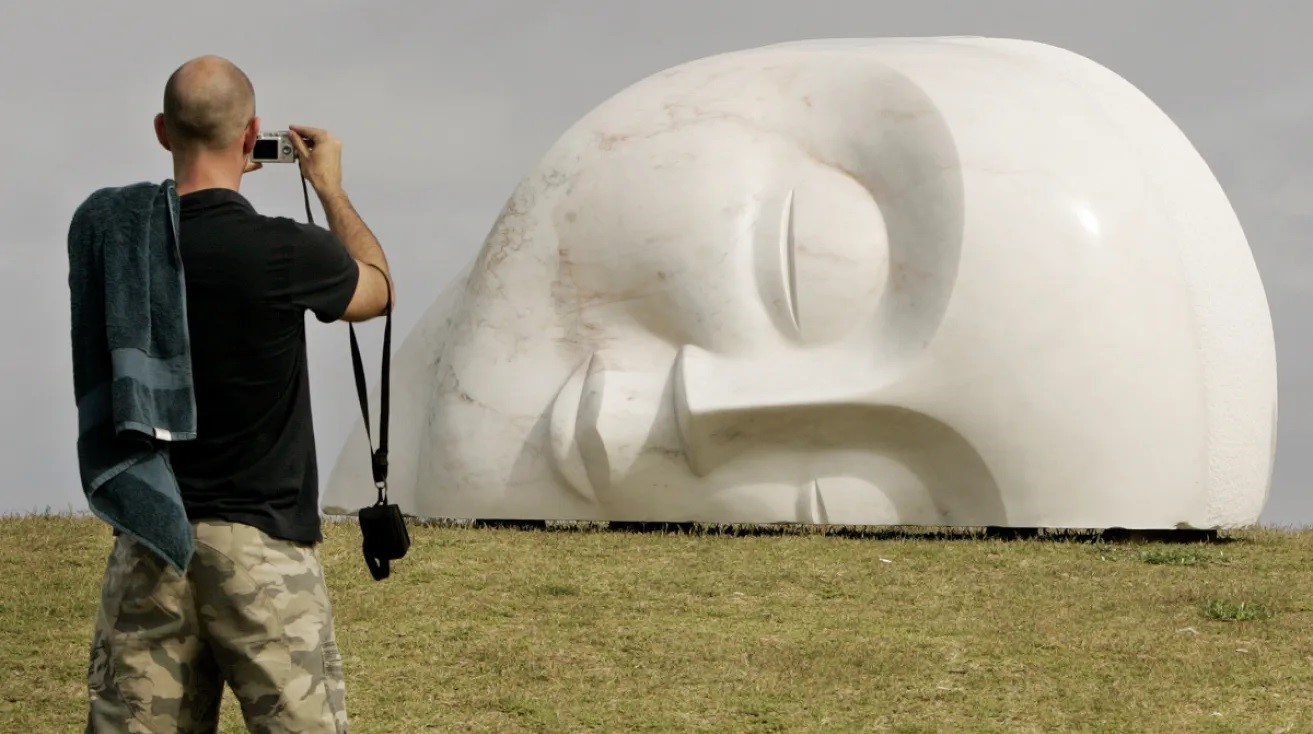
(443, 106)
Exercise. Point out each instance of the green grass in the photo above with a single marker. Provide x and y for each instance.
(533, 631)
(1236, 611)
(1181, 556)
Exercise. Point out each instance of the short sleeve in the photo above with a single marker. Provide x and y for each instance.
(323, 274)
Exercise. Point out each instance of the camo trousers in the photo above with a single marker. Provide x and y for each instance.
(250, 610)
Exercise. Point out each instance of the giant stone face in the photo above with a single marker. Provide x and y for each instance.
(900, 281)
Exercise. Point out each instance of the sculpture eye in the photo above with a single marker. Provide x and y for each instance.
(822, 258)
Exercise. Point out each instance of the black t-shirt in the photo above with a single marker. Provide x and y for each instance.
(250, 280)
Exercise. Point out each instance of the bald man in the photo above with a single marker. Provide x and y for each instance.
(251, 609)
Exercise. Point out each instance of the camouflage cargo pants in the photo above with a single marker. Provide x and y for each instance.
(250, 610)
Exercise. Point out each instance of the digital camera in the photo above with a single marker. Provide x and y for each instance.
(274, 147)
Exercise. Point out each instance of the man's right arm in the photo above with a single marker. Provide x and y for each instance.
(320, 157)
(371, 296)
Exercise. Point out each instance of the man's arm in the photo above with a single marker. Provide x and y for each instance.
(371, 294)
(320, 157)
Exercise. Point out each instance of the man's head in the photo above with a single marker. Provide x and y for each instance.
(209, 107)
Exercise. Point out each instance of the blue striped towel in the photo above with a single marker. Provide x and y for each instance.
(132, 375)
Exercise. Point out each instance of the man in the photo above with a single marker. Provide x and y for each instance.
(251, 608)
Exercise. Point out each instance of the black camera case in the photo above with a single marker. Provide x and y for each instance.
(386, 537)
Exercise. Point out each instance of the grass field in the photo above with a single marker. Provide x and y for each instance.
(788, 631)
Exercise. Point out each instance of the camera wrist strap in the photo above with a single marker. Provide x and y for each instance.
(378, 458)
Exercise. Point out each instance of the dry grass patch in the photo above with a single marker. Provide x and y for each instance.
(547, 631)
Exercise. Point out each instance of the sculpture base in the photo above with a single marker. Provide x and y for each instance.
(1088, 535)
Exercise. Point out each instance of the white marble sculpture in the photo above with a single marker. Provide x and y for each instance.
(943, 281)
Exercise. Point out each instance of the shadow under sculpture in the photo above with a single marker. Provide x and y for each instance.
(940, 281)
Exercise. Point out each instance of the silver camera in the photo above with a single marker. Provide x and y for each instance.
(274, 147)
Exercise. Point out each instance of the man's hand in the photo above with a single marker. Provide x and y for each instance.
(320, 156)
(251, 166)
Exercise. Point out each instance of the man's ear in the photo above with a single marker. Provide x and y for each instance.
(161, 132)
(249, 135)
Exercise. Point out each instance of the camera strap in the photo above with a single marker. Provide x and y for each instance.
(378, 458)
(382, 525)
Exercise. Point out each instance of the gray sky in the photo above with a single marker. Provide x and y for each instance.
(444, 106)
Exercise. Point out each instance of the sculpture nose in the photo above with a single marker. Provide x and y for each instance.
(723, 403)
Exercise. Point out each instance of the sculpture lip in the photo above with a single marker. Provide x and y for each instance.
(811, 503)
